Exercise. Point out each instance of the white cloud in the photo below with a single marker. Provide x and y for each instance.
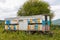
(56, 10)
(9, 8)
(50, 1)
(12, 3)
(2, 1)
(55, 7)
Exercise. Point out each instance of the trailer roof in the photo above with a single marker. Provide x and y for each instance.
(26, 17)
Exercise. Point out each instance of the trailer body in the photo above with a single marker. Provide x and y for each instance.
(28, 23)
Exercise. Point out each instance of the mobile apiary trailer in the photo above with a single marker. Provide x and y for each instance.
(11, 24)
(28, 23)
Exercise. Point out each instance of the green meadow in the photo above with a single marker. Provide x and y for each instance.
(12, 35)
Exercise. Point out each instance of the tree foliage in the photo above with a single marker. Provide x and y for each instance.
(34, 8)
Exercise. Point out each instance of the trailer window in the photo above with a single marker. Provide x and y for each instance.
(20, 20)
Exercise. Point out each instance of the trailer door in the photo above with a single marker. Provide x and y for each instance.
(23, 25)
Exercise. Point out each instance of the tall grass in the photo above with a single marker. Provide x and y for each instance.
(11, 35)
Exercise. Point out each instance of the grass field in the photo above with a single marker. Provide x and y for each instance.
(22, 36)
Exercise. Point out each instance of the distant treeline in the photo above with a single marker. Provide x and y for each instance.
(2, 23)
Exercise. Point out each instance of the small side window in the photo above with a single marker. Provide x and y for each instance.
(20, 20)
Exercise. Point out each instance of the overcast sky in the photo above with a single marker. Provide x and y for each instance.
(9, 8)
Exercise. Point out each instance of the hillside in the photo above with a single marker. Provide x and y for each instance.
(56, 22)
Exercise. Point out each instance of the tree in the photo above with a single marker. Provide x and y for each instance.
(35, 8)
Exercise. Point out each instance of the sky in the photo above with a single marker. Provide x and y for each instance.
(9, 8)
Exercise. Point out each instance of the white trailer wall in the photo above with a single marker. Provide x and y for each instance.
(23, 25)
